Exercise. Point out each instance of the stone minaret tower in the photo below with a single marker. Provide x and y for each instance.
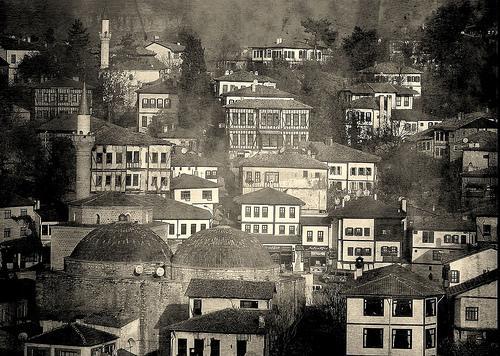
(105, 36)
(84, 140)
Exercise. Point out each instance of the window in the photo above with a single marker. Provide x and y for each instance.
(66, 352)
(406, 101)
(144, 121)
(353, 171)
(291, 230)
(361, 171)
(183, 229)
(398, 101)
(436, 255)
(373, 338)
(282, 212)
(193, 228)
(171, 229)
(271, 177)
(288, 119)
(135, 180)
(401, 338)
(224, 88)
(402, 307)
(7, 214)
(430, 307)
(98, 157)
(163, 181)
(350, 251)
(163, 158)
(248, 211)
(159, 103)
(454, 276)
(257, 177)
(145, 103)
(368, 171)
(109, 158)
(295, 119)
(154, 157)
(486, 230)
(389, 251)
(38, 351)
(309, 236)
(472, 313)
(264, 229)
(282, 229)
(320, 236)
(428, 236)
(264, 212)
(118, 181)
(447, 239)
(303, 120)
(207, 195)
(13, 58)
(248, 177)
(214, 347)
(455, 239)
(305, 174)
(366, 231)
(119, 157)
(182, 347)
(256, 212)
(373, 307)
(358, 231)
(98, 181)
(6, 233)
(256, 229)
(349, 231)
(108, 180)
(241, 347)
(250, 123)
(186, 195)
(247, 228)
(253, 304)
(430, 338)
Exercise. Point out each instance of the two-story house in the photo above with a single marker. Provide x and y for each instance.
(486, 219)
(59, 96)
(196, 191)
(191, 163)
(349, 170)
(394, 73)
(290, 51)
(13, 51)
(255, 91)
(409, 122)
(157, 100)
(232, 81)
(436, 236)
(392, 311)
(370, 229)
(265, 125)
(295, 174)
(167, 52)
(317, 243)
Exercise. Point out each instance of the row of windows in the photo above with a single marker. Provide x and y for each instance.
(303, 54)
(7, 214)
(269, 177)
(171, 229)
(257, 229)
(158, 103)
(360, 116)
(319, 236)
(215, 347)
(401, 338)
(131, 180)
(400, 307)
(428, 237)
(209, 173)
(131, 156)
(62, 97)
(267, 140)
(205, 195)
(359, 251)
(358, 231)
(265, 211)
(406, 101)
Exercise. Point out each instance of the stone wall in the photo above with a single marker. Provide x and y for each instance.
(106, 269)
(183, 273)
(109, 214)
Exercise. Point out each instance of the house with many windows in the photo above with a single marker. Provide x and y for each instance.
(196, 191)
(392, 311)
(157, 100)
(59, 96)
(232, 81)
(371, 229)
(409, 122)
(290, 51)
(317, 243)
(265, 125)
(191, 163)
(255, 91)
(394, 73)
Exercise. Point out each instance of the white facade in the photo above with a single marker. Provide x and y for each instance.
(270, 219)
(206, 172)
(165, 55)
(205, 198)
(472, 266)
(14, 57)
(352, 176)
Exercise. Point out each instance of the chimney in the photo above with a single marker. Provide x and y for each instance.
(256, 73)
(178, 43)
(76, 79)
(254, 85)
(433, 207)
(358, 272)
(403, 204)
(226, 72)
(262, 322)
(375, 196)
(156, 38)
(279, 40)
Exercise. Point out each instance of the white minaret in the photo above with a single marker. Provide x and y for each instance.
(105, 36)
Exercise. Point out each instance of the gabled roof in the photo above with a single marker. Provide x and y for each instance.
(63, 83)
(390, 68)
(372, 88)
(474, 283)
(367, 102)
(444, 223)
(188, 181)
(174, 47)
(73, 334)
(481, 119)
(269, 196)
(192, 160)
(158, 86)
(114, 319)
(9, 199)
(284, 160)
(392, 281)
(228, 288)
(411, 115)
(315, 220)
(267, 104)
(367, 208)
(244, 76)
(447, 259)
(226, 321)
(261, 91)
(286, 43)
(340, 153)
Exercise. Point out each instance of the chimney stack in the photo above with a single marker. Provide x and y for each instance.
(279, 40)
(256, 73)
(358, 272)
(254, 85)
(403, 204)
(375, 196)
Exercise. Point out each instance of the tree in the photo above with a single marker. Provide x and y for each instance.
(114, 88)
(35, 67)
(49, 36)
(321, 31)
(194, 79)
(78, 58)
(361, 48)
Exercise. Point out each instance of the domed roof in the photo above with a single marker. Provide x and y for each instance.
(122, 242)
(222, 247)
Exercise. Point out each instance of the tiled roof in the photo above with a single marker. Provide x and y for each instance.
(455, 123)
(340, 153)
(446, 259)
(243, 76)
(224, 288)
(268, 196)
(315, 220)
(63, 83)
(189, 181)
(192, 160)
(114, 319)
(367, 102)
(73, 334)
(473, 283)
(411, 115)
(159, 86)
(269, 239)
(367, 208)
(390, 68)
(444, 223)
(9, 199)
(174, 47)
(261, 91)
(285, 160)
(226, 321)
(267, 104)
(372, 88)
(392, 281)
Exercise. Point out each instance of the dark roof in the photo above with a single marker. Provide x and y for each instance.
(174, 47)
(3, 62)
(122, 242)
(390, 68)
(159, 86)
(315, 220)
(367, 102)
(189, 181)
(483, 119)
(16, 289)
(226, 321)
(267, 104)
(12, 200)
(230, 288)
(474, 283)
(339, 153)
(137, 63)
(268, 196)
(73, 334)
(485, 209)
(444, 223)
(372, 88)
(270, 239)
(411, 115)
(367, 208)
(286, 43)
(392, 281)
(192, 160)
(261, 91)
(462, 253)
(243, 76)
(114, 319)
(285, 160)
(63, 83)
(222, 247)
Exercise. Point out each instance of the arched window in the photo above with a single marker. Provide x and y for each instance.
(130, 344)
(97, 219)
(122, 217)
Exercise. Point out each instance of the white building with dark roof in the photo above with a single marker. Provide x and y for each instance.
(255, 91)
(395, 73)
(168, 53)
(196, 191)
(290, 51)
(191, 163)
(232, 81)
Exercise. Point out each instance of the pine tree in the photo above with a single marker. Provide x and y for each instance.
(78, 59)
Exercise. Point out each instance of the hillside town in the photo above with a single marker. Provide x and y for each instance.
(324, 194)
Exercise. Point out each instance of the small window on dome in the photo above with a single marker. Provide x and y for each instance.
(97, 219)
(122, 217)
